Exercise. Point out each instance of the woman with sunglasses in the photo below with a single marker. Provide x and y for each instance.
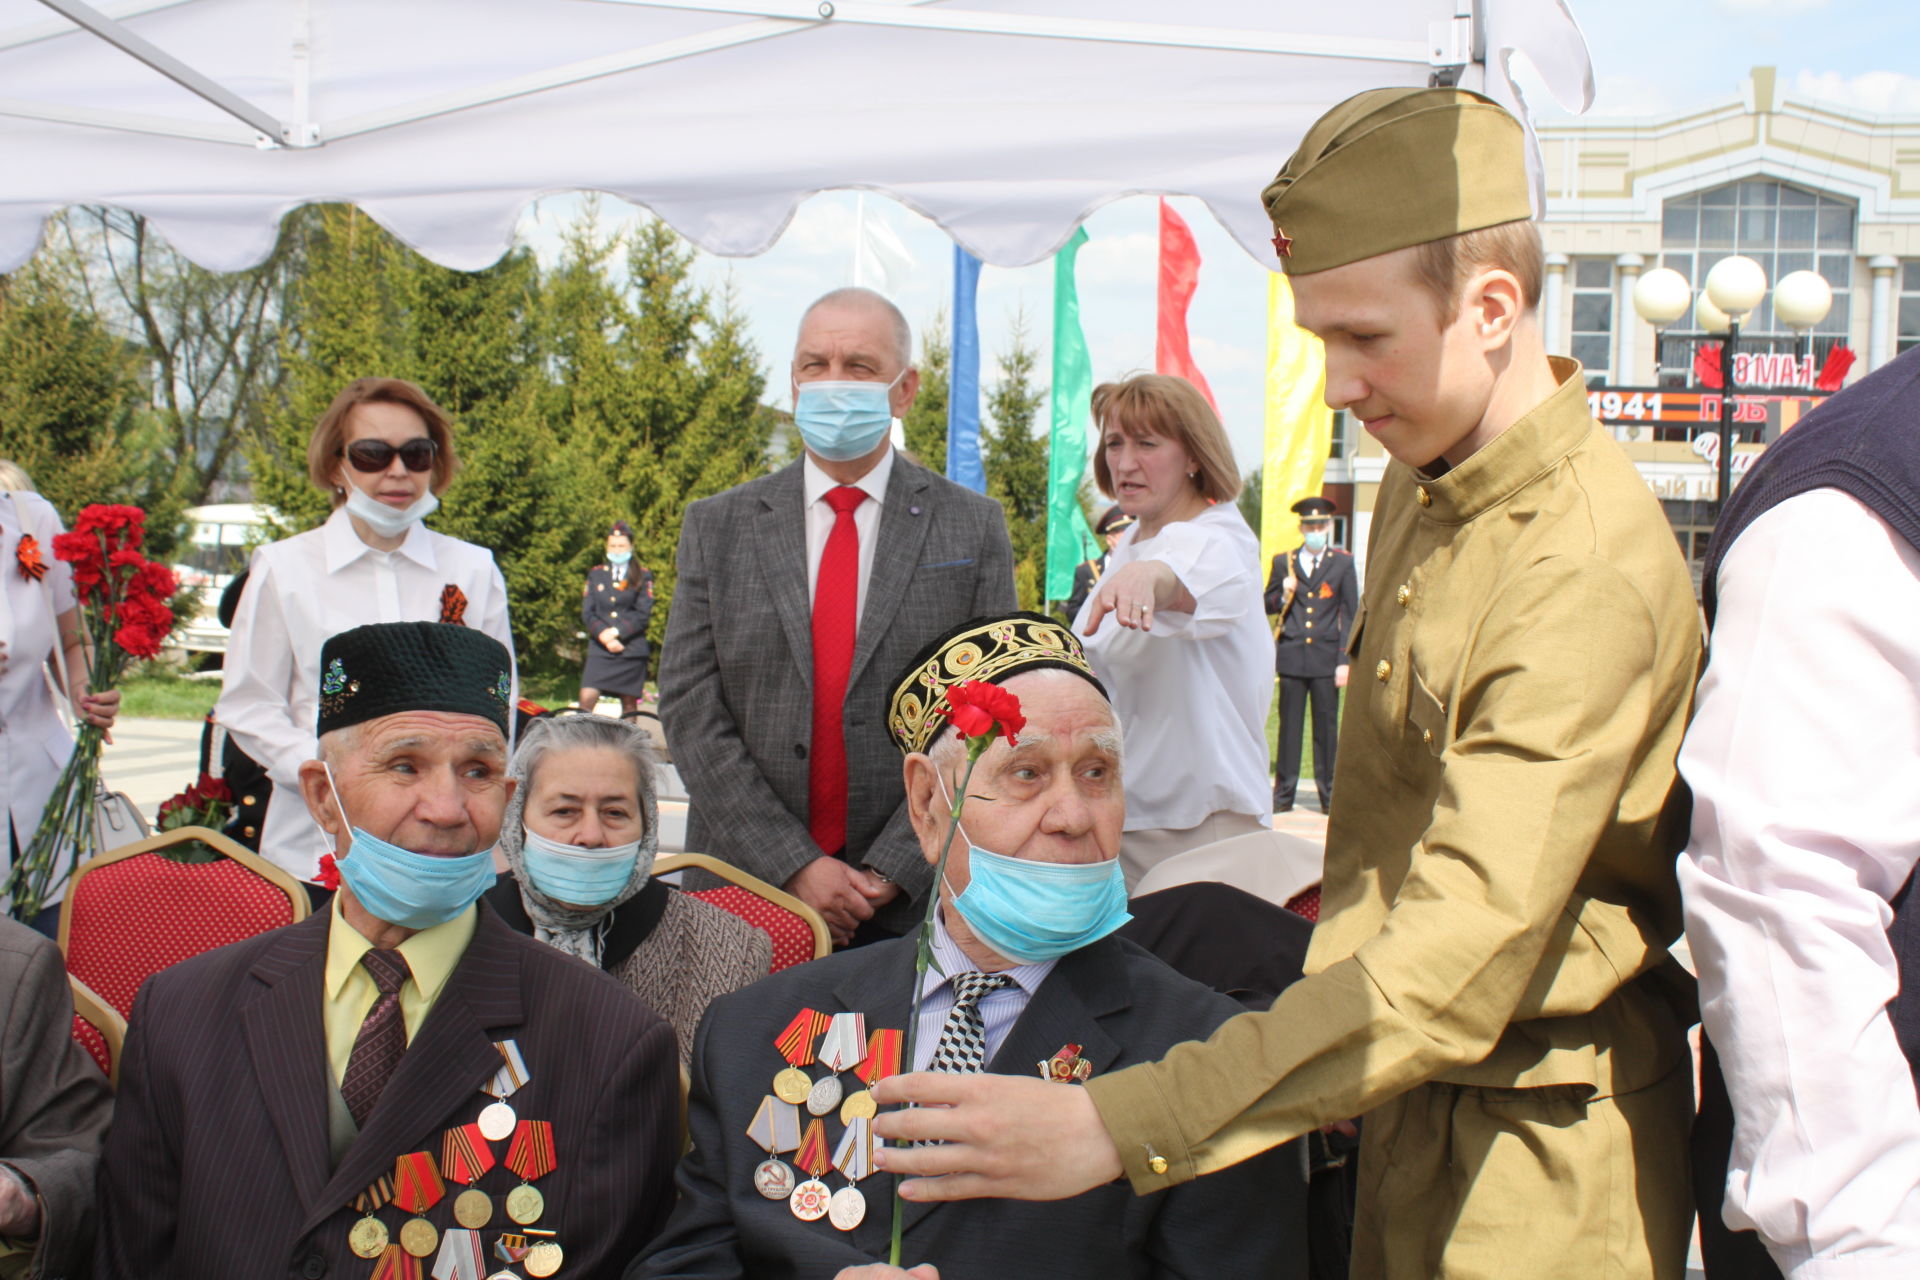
(383, 452)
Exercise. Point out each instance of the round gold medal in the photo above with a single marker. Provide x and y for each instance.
(858, 1106)
(473, 1209)
(544, 1259)
(792, 1085)
(525, 1204)
(368, 1239)
(418, 1237)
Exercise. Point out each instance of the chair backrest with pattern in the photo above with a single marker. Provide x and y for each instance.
(132, 911)
(98, 1027)
(796, 929)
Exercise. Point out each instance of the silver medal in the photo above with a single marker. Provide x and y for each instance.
(773, 1179)
(824, 1096)
(847, 1209)
(497, 1121)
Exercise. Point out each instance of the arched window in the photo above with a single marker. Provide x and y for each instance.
(1782, 227)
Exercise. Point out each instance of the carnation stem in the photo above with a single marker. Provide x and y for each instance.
(976, 747)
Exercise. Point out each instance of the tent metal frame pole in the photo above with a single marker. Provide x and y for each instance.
(55, 28)
(143, 50)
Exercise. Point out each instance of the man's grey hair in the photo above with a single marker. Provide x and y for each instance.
(854, 296)
(337, 744)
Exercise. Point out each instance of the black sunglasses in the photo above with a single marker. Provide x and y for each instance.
(377, 455)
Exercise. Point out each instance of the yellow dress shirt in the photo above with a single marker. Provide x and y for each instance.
(431, 954)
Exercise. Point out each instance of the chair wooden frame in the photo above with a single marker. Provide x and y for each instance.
(225, 846)
(103, 1018)
(669, 863)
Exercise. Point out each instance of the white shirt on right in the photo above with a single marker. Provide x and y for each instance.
(1806, 821)
(1193, 692)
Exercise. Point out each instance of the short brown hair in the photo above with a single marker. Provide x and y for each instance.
(1172, 408)
(327, 446)
(1442, 266)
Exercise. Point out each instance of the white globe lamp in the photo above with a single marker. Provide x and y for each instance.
(1709, 318)
(1661, 296)
(1802, 299)
(1736, 285)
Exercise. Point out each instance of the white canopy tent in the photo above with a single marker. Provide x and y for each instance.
(1005, 121)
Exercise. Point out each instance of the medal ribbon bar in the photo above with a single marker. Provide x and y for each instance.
(460, 1256)
(464, 1154)
(883, 1056)
(796, 1042)
(531, 1154)
(512, 1073)
(845, 1044)
(776, 1125)
(417, 1185)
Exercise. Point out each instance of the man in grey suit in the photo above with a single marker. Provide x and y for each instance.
(1029, 979)
(798, 593)
(54, 1107)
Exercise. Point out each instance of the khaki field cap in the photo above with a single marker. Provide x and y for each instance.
(1390, 168)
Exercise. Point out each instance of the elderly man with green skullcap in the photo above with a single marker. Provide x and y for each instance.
(1489, 985)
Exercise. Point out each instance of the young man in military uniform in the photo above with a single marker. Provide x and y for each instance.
(1315, 594)
(1490, 983)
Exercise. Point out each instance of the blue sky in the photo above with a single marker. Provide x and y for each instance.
(1650, 57)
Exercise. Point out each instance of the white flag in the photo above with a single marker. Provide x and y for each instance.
(880, 261)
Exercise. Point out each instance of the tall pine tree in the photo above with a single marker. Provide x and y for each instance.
(925, 425)
(1016, 462)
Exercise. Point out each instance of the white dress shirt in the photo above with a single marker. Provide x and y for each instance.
(1192, 693)
(302, 590)
(999, 1010)
(34, 742)
(866, 518)
(1806, 820)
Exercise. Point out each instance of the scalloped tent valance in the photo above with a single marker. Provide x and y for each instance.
(1005, 121)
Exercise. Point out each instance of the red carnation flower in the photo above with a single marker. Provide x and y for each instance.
(977, 709)
(215, 789)
(328, 877)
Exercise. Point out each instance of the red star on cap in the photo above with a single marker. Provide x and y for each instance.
(1282, 243)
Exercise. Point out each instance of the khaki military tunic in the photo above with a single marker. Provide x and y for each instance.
(1499, 889)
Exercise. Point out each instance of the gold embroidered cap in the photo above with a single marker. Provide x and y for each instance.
(1391, 168)
(991, 649)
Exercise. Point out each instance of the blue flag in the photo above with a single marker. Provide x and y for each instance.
(963, 388)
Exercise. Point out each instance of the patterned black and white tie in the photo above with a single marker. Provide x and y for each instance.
(962, 1046)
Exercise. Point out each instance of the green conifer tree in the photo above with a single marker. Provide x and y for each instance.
(925, 425)
(1015, 456)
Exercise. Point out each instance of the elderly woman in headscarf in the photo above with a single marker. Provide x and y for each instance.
(579, 837)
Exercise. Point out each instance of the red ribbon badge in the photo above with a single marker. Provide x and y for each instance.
(33, 565)
(416, 1183)
(464, 1154)
(374, 1196)
(813, 1155)
(396, 1264)
(797, 1041)
(883, 1057)
(453, 605)
(531, 1153)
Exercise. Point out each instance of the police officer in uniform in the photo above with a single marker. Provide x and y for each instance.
(1315, 594)
(1086, 575)
(615, 611)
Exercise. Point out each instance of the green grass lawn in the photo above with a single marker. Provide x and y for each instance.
(151, 691)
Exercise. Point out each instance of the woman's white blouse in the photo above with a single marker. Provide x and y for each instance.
(1193, 692)
(302, 590)
(34, 742)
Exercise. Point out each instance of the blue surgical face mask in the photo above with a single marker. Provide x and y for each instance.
(574, 874)
(412, 890)
(618, 559)
(389, 522)
(842, 421)
(1316, 539)
(1032, 911)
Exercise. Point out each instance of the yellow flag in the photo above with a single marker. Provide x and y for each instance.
(1299, 424)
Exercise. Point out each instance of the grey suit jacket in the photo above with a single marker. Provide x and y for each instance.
(54, 1103)
(736, 673)
(218, 1166)
(1118, 1003)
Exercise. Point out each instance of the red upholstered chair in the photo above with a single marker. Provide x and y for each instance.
(132, 911)
(1306, 903)
(98, 1027)
(798, 932)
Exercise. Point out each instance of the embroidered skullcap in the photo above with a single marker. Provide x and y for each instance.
(391, 667)
(992, 649)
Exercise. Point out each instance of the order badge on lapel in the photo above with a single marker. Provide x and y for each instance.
(1066, 1066)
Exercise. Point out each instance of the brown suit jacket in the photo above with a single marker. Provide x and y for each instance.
(217, 1166)
(54, 1103)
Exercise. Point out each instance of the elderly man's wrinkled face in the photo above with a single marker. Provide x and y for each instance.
(1056, 797)
(429, 781)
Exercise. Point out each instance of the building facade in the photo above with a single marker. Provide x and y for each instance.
(1795, 185)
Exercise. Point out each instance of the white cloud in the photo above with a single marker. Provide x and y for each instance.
(1874, 92)
(1619, 95)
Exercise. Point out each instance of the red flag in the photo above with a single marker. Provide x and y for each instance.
(1834, 371)
(1706, 367)
(1179, 272)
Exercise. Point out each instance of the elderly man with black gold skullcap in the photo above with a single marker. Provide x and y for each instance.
(1029, 981)
(1489, 984)
(401, 1084)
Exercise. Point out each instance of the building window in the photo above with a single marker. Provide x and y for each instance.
(1908, 329)
(1592, 330)
(1782, 227)
(1341, 443)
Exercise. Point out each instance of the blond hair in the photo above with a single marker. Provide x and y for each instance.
(1157, 404)
(1442, 266)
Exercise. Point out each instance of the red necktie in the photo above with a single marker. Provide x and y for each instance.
(836, 619)
(382, 1040)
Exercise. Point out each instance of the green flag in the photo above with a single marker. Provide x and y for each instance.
(1069, 540)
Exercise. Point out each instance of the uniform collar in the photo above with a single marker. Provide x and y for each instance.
(1543, 436)
(343, 545)
(431, 954)
(814, 482)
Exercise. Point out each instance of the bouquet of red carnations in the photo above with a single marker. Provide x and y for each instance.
(207, 803)
(123, 615)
